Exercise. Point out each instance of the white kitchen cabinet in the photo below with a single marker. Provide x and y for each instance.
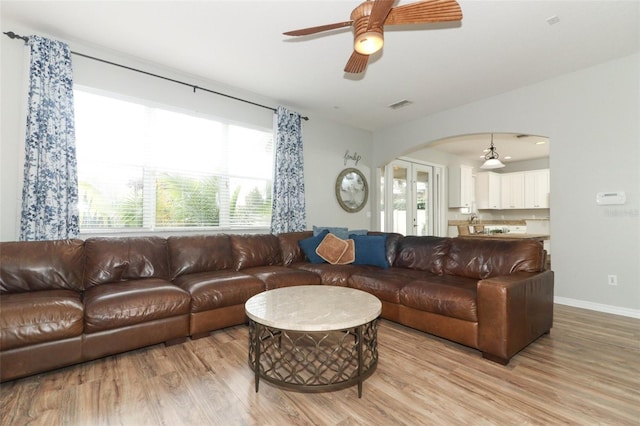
(512, 190)
(536, 189)
(520, 190)
(516, 229)
(488, 190)
(460, 186)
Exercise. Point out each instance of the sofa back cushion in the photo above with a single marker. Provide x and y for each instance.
(199, 253)
(255, 250)
(291, 252)
(485, 258)
(111, 260)
(41, 265)
(422, 253)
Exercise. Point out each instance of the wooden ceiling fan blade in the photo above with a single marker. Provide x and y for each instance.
(357, 63)
(425, 12)
(318, 29)
(379, 12)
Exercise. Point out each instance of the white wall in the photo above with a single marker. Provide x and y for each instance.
(325, 142)
(592, 118)
(590, 115)
(325, 146)
(13, 94)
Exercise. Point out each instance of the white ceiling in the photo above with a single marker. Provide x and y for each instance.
(499, 46)
(510, 147)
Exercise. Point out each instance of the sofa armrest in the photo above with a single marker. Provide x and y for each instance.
(513, 311)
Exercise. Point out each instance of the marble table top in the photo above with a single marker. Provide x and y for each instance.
(313, 308)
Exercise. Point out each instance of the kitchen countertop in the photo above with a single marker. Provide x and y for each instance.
(508, 236)
(499, 222)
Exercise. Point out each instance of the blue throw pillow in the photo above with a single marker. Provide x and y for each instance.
(358, 232)
(370, 250)
(342, 233)
(309, 246)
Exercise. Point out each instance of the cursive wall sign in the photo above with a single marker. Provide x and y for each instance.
(354, 157)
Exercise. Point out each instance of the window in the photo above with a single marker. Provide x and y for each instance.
(142, 167)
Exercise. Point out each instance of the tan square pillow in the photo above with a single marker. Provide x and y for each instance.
(331, 248)
(349, 255)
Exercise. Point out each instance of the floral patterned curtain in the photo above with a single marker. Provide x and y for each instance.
(50, 192)
(288, 211)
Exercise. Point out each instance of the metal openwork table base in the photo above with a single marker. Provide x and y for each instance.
(313, 361)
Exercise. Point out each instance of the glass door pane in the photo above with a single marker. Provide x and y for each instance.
(410, 201)
(423, 218)
(399, 199)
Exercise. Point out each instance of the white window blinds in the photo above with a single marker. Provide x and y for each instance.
(147, 168)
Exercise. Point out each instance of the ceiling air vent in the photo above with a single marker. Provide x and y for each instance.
(400, 104)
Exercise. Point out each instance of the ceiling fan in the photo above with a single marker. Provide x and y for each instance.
(370, 17)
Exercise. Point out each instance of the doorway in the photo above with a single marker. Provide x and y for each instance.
(412, 198)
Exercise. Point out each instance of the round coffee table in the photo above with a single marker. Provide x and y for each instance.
(313, 338)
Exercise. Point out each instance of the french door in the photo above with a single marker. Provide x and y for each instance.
(412, 198)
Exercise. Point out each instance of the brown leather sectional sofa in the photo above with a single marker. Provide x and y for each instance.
(65, 302)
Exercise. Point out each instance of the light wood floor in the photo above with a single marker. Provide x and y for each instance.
(586, 372)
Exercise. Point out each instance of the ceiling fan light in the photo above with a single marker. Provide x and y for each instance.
(368, 43)
(492, 163)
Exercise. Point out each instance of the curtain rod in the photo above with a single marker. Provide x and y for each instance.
(13, 35)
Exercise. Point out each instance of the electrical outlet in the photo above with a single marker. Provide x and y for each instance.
(612, 279)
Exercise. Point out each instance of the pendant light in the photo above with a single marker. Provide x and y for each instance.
(491, 158)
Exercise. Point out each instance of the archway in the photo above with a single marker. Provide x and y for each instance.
(521, 153)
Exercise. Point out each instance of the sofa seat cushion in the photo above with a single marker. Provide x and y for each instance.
(116, 305)
(385, 284)
(334, 274)
(39, 316)
(450, 296)
(218, 289)
(281, 276)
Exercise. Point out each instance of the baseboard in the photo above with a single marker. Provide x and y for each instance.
(616, 310)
